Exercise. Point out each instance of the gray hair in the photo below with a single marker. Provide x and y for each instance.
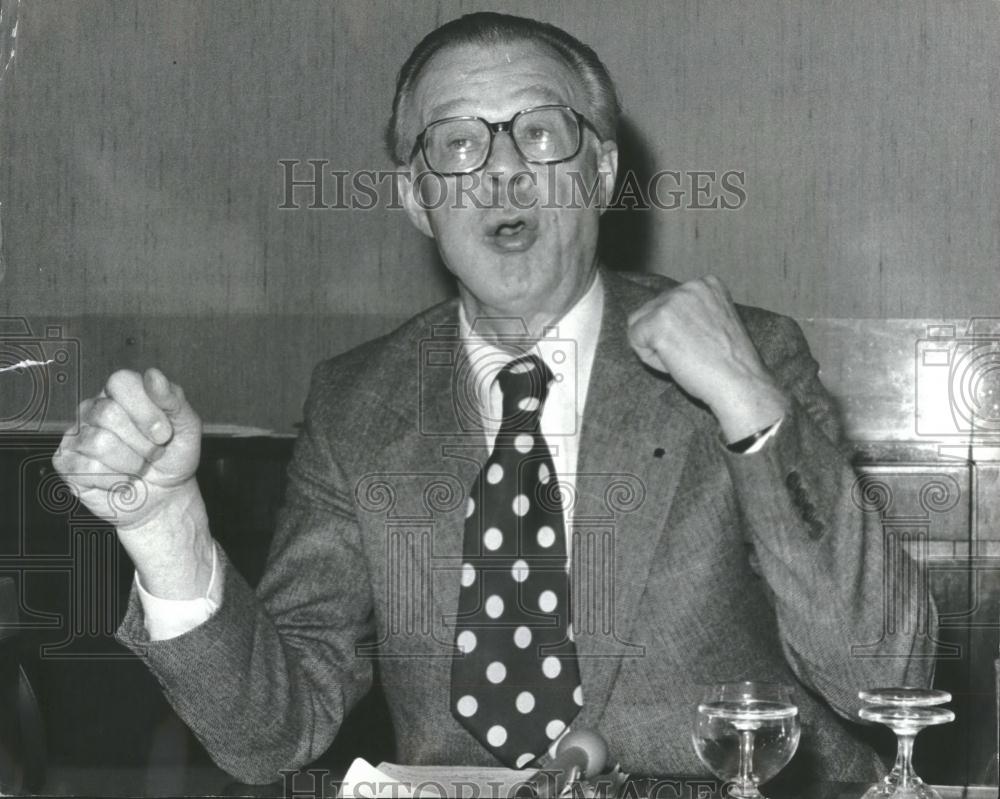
(488, 28)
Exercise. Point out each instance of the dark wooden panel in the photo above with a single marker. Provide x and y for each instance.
(101, 705)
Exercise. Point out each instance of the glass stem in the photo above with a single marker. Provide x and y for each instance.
(746, 760)
(904, 758)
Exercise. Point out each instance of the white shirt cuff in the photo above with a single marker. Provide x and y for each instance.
(169, 618)
(761, 442)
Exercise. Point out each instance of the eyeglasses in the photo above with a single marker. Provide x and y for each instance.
(545, 134)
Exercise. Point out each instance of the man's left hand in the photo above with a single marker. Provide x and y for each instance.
(694, 333)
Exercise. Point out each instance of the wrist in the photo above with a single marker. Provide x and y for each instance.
(173, 549)
(749, 410)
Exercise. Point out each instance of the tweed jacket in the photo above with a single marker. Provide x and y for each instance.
(691, 565)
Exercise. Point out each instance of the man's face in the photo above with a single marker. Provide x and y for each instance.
(528, 247)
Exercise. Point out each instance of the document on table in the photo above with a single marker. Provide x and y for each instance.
(394, 781)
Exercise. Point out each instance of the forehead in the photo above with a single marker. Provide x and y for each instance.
(493, 81)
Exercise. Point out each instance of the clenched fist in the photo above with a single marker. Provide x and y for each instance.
(132, 463)
(694, 333)
(139, 440)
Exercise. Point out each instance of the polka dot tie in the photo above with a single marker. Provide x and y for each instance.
(515, 680)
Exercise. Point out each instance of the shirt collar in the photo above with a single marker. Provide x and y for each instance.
(567, 347)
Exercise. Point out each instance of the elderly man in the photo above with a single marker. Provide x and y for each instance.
(568, 497)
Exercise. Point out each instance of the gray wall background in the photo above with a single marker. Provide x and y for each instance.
(140, 178)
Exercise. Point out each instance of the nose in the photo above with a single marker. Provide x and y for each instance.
(505, 154)
(505, 164)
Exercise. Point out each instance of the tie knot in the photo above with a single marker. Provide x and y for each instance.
(525, 385)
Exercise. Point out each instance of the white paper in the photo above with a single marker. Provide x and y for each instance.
(396, 781)
(364, 781)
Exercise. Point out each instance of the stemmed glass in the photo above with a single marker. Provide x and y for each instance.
(906, 711)
(746, 732)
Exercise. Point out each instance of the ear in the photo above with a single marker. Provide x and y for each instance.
(607, 165)
(407, 188)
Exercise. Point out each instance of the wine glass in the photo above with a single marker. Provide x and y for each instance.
(746, 732)
(906, 711)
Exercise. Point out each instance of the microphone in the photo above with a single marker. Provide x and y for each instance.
(581, 753)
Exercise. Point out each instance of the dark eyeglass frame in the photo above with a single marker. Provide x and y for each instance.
(503, 127)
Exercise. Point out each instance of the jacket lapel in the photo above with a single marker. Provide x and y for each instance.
(435, 456)
(634, 443)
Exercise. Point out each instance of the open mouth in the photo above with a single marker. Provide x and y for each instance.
(511, 235)
(509, 229)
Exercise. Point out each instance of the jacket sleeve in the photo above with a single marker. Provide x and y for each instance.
(849, 615)
(266, 682)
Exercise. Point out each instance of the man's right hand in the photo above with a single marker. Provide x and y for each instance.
(132, 463)
(136, 450)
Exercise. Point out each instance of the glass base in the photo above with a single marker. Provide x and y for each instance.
(736, 791)
(914, 789)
